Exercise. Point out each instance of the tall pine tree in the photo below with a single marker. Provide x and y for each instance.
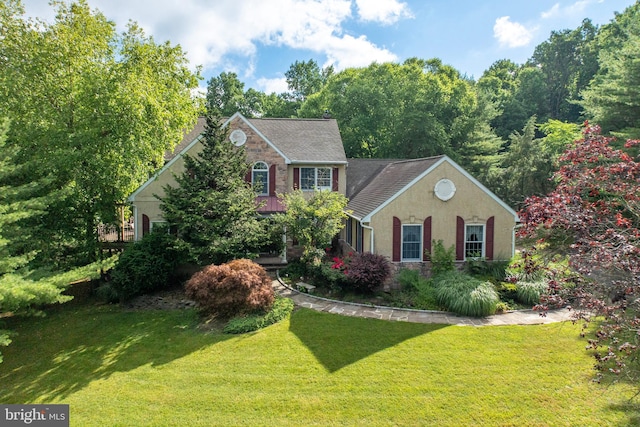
(213, 208)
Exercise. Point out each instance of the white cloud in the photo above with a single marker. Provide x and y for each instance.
(554, 11)
(511, 34)
(576, 9)
(224, 32)
(384, 11)
(269, 86)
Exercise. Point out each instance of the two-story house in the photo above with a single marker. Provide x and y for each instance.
(283, 153)
(397, 208)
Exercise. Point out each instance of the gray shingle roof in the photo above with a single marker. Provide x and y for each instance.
(300, 140)
(371, 182)
(304, 140)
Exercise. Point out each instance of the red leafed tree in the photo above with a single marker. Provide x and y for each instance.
(593, 217)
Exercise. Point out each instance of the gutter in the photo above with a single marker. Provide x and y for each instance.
(371, 248)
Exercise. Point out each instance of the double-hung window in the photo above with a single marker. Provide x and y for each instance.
(315, 178)
(411, 243)
(260, 178)
(474, 241)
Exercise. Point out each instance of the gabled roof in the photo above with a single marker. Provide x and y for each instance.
(310, 141)
(304, 140)
(297, 140)
(377, 182)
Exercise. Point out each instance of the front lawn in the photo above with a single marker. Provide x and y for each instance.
(136, 368)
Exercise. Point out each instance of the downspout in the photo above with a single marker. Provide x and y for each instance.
(135, 223)
(371, 248)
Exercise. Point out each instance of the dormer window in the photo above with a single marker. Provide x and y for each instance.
(260, 178)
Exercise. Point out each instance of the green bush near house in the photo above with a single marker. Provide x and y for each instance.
(418, 289)
(238, 287)
(529, 292)
(146, 266)
(465, 295)
(442, 259)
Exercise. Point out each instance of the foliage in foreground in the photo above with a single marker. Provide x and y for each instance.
(465, 295)
(281, 309)
(594, 216)
(236, 288)
(27, 293)
(367, 271)
(313, 222)
(212, 208)
(148, 265)
(79, 94)
(420, 291)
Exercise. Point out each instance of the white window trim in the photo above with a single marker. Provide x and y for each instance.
(420, 236)
(315, 178)
(484, 240)
(266, 184)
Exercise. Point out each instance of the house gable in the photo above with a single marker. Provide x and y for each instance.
(399, 200)
(397, 177)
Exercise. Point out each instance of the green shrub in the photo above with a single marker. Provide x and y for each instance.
(281, 309)
(419, 289)
(494, 271)
(327, 276)
(442, 260)
(528, 293)
(465, 295)
(147, 265)
(107, 293)
(507, 291)
(367, 271)
(238, 287)
(295, 269)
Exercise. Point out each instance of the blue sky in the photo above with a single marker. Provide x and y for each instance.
(260, 39)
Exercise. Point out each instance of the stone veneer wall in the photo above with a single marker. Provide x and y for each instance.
(259, 151)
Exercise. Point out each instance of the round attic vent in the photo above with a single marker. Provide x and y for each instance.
(445, 189)
(238, 137)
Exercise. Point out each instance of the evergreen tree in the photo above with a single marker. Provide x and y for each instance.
(212, 208)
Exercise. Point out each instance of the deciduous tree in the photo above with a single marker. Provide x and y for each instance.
(313, 221)
(96, 110)
(593, 217)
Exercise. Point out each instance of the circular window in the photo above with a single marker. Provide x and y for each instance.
(445, 189)
(238, 137)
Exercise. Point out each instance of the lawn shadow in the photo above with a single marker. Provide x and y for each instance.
(55, 356)
(338, 341)
(630, 408)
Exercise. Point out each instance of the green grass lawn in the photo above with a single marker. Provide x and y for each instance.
(125, 368)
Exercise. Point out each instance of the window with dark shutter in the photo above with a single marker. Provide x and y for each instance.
(426, 239)
(272, 180)
(459, 239)
(490, 233)
(296, 178)
(397, 236)
(334, 184)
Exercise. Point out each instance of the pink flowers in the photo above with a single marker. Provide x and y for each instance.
(337, 263)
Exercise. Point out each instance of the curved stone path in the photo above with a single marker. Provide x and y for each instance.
(520, 317)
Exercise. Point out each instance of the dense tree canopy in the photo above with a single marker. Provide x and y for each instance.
(96, 110)
(410, 110)
(613, 98)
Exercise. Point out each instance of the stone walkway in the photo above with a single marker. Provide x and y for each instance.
(520, 317)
